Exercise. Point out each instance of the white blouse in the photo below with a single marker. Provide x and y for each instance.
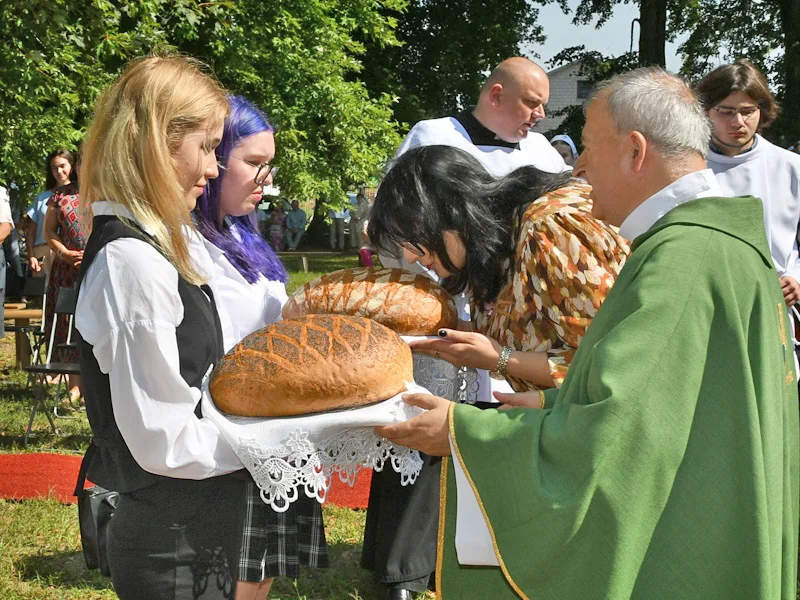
(243, 307)
(128, 310)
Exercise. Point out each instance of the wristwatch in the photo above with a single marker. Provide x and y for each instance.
(499, 371)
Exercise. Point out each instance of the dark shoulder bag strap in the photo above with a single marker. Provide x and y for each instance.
(87, 460)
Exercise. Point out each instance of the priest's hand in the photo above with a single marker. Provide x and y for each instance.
(791, 290)
(426, 432)
(461, 348)
(532, 399)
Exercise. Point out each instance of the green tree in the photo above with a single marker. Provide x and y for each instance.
(55, 57)
(298, 60)
(301, 62)
(448, 48)
(653, 33)
(765, 31)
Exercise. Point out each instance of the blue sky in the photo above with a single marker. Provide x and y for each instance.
(612, 39)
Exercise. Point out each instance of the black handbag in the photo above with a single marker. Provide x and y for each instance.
(95, 510)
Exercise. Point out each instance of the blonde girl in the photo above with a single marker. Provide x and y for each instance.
(150, 332)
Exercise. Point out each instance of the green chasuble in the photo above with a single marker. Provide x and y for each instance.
(666, 466)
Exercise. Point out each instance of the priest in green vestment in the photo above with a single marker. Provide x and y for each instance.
(666, 466)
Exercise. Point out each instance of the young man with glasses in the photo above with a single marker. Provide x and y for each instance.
(738, 102)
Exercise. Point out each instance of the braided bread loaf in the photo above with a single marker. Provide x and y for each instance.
(406, 303)
(311, 364)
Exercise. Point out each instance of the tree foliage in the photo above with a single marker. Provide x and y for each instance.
(595, 68)
(297, 60)
(652, 21)
(55, 57)
(448, 48)
(300, 61)
(767, 32)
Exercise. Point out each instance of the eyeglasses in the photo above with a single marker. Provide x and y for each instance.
(264, 170)
(415, 249)
(729, 114)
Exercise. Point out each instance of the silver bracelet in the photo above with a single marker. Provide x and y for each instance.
(499, 371)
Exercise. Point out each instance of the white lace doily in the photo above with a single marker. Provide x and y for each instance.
(293, 455)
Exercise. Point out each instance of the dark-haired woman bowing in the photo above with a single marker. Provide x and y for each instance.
(537, 266)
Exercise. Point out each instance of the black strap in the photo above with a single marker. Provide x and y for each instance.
(87, 459)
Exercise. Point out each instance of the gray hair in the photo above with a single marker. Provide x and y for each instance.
(660, 106)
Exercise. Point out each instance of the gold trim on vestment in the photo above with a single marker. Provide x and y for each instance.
(500, 561)
(442, 517)
(786, 361)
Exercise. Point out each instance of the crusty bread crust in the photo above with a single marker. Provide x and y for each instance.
(311, 364)
(406, 303)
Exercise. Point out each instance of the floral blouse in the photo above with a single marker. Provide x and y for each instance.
(564, 265)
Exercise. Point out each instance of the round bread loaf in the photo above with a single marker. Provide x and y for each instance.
(311, 364)
(406, 303)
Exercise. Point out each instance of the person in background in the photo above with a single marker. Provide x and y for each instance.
(738, 103)
(66, 234)
(277, 226)
(566, 148)
(358, 216)
(13, 249)
(58, 167)
(366, 250)
(295, 225)
(498, 129)
(150, 333)
(248, 281)
(6, 227)
(262, 222)
(336, 228)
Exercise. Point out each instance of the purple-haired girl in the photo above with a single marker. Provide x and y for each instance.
(248, 279)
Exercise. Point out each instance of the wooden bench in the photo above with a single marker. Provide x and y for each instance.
(22, 317)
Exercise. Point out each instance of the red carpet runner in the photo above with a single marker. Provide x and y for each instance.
(31, 476)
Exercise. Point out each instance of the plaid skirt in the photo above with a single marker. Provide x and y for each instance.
(276, 543)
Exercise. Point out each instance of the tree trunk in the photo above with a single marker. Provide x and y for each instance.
(653, 32)
(789, 124)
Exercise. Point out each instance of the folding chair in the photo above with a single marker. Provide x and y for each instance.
(32, 288)
(65, 305)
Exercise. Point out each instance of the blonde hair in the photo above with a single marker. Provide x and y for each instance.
(139, 124)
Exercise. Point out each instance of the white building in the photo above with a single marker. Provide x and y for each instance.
(567, 87)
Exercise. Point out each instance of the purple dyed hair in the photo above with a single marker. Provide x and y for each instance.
(248, 252)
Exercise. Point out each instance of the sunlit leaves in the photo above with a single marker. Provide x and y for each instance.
(297, 60)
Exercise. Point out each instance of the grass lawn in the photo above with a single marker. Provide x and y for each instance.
(39, 540)
(317, 265)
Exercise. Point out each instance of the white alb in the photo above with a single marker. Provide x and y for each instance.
(773, 175)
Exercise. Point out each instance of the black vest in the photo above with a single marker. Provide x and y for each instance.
(200, 345)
